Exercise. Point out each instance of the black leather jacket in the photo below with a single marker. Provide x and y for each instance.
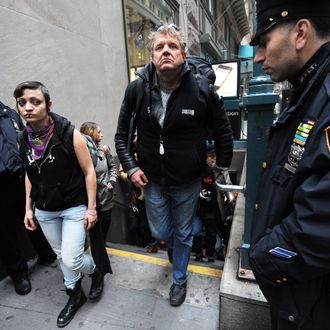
(193, 111)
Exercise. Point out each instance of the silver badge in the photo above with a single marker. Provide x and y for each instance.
(294, 157)
(15, 125)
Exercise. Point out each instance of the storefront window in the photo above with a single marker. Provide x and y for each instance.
(142, 16)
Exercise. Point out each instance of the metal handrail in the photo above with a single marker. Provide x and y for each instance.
(230, 187)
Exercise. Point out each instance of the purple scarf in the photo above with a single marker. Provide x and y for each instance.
(39, 140)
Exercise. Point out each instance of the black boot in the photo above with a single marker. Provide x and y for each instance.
(76, 300)
(97, 286)
(22, 283)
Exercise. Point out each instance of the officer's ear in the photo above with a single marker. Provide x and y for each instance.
(303, 33)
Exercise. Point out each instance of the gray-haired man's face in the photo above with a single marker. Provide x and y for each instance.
(167, 54)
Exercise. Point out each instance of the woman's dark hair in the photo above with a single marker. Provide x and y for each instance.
(19, 90)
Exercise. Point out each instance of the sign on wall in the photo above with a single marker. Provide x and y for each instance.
(227, 79)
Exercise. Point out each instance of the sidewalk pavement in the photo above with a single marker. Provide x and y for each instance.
(135, 297)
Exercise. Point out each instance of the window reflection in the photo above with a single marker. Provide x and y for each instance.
(142, 16)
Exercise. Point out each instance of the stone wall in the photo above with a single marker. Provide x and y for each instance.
(76, 48)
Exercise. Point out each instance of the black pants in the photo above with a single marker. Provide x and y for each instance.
(138, 225)
(210, 236)
(210, 225)
(12, 211)
(311, 299)
(318, 320)
(104, 217)
(98, 249)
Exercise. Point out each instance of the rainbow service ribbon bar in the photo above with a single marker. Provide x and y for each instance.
(303, 131)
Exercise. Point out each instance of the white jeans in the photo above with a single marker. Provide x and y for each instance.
(66, 234)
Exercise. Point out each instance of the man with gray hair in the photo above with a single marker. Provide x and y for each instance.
(173, 112)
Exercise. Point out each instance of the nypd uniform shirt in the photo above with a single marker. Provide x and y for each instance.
(291, 226)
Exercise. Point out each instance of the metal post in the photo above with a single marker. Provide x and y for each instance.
(260, 105)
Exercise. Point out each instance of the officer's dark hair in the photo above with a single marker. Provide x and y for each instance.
(321, 26)
(19, 90)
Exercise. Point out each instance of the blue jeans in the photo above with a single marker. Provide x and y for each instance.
(66, 234)
(170, 211)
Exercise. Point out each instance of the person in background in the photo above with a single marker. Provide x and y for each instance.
(106, 175)
(60, 186)
(290, 239)
(172, 121)
(12, 202)
(208, 208)
(138, 227)
(198, 237)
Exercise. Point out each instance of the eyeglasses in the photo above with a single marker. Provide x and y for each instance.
(167, 26)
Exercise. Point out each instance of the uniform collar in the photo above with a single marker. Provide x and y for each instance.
(306, 81)
(310, 68)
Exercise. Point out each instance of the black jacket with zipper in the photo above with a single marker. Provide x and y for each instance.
(193, 111)
(59, 183)
(57, 179)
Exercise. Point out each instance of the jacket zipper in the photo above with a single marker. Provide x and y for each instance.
(48, 156)
(162, 152)
(39, 166)
(161, 145)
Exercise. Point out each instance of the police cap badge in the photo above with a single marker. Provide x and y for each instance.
(271, 12)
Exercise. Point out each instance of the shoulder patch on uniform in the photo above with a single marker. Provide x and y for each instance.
(327, 137)
(282, 253)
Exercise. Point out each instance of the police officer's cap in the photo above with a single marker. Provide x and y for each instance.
(271, 12)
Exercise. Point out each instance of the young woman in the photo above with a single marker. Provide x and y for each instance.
(106, 174)
(60, 192)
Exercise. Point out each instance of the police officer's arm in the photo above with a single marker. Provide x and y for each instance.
(221, 128)
(29, 217)
(299, 247)
(86, 164)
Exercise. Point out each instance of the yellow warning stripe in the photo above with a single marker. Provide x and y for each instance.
(163, 262)
(205, 270)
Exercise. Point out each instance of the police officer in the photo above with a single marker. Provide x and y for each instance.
(12, 205)
(290, 250)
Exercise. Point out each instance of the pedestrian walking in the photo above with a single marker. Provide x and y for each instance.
(174, 110)
(60, 192)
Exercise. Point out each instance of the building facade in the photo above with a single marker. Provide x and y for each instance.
(213, 29)
(86, 52)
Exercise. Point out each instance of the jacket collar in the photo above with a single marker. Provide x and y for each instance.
(311, 67)
(310, 75)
